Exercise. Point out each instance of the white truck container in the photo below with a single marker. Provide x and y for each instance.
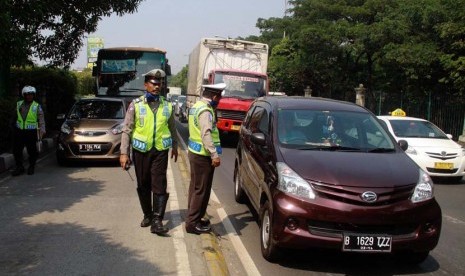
(173, 91)
(241, 64)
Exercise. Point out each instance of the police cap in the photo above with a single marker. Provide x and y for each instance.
(215, 88)
(154, 76)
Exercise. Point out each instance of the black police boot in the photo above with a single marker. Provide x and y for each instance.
(18, 170)
(159, 207)
(145, 200)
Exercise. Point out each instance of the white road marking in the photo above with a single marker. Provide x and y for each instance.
(454, 220)
(242, 253)
(182, 258)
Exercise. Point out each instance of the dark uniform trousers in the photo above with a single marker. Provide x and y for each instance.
(25, 138)
(200, 186)
(150, 168)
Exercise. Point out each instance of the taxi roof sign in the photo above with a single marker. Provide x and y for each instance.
(398, 112)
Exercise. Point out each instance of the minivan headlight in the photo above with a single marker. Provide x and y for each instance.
(424, 188)
(290, 182)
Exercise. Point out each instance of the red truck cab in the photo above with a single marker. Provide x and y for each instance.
(242, 88)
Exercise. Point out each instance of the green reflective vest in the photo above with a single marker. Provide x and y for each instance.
(195, 144)
(31, 121)
(151, 130)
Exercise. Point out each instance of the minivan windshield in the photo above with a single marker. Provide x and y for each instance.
(332, 130)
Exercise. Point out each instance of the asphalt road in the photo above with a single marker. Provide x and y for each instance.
(85, 220)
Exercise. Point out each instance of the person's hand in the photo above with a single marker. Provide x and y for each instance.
(216, 162)
(41, 134)
(124, 161)
(174, 153)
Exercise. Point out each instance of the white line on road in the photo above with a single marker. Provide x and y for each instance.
(244, 256)
(180, 248)
(454, 220)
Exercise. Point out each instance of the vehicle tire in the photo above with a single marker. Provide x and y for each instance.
(270, 251)
(239, 195)
(412, 257)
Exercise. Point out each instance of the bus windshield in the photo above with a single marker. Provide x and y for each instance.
(242, 85)
(120, 72)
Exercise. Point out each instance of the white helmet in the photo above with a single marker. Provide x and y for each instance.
(28, 89)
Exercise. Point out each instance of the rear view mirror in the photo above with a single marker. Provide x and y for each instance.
(258, 138)
(403, 144)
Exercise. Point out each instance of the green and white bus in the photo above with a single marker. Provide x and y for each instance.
(119, 72)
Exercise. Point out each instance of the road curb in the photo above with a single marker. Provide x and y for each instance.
(7, 160)
(212, 253)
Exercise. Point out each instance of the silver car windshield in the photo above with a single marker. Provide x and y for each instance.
(97, 110)
(336, 130)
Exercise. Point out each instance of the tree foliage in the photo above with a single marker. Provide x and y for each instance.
(180, 79)
(412, 46)
(50, 30)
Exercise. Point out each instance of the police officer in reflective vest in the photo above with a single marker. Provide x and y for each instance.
(204, 149)
(149, 128)
(30, 126)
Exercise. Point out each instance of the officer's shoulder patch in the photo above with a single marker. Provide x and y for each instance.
(210, 117)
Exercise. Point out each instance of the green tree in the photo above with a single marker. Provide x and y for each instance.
(49, 30)
(180, 79)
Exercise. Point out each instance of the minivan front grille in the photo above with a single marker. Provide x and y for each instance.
(353, 195)
(336, 230)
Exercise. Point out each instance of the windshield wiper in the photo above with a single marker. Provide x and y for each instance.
(330, 148)
(379, 150)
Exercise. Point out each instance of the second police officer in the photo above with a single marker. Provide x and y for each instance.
(149, 128)
(204, 149)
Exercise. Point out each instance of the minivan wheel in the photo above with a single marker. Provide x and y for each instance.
(239, 195)
(269, 250)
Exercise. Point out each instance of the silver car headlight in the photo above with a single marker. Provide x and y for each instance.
(117, 129)
(65, 128)
(290, 182)
(424, 189)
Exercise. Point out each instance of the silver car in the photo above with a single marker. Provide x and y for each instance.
(92, 130)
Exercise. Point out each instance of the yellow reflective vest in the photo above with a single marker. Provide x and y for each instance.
(151, 130)
(31, 121)
(195, 144)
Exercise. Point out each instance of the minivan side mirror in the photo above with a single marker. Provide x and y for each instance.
(403, 144)
(258, 138)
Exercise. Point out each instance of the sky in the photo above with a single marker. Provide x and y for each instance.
(178, 25)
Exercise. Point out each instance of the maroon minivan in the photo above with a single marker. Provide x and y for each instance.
(325, 174)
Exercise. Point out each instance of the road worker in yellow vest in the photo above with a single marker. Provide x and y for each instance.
(29, 128)
(204, 149)
(148, 133)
